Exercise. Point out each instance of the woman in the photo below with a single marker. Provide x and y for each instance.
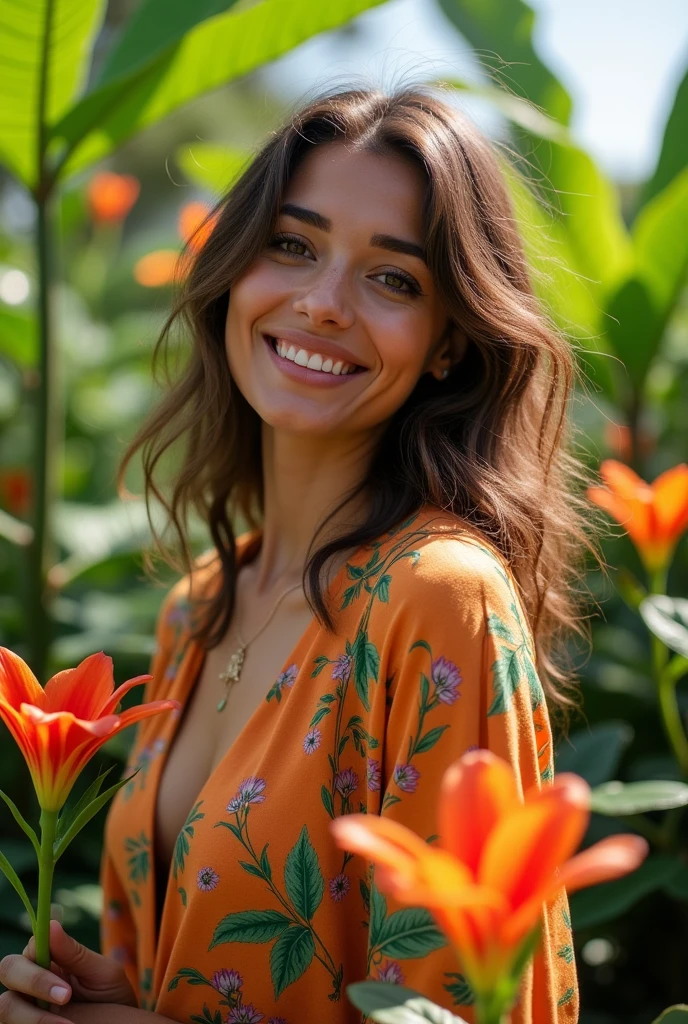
(375, 391)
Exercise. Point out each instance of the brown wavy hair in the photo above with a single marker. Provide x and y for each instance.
(492, 443)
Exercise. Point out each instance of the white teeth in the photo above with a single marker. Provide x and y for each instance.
(313, 361)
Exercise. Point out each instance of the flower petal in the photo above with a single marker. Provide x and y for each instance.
(82, 690)
(529, 844)
(622, 480)
(140, 711)
(670, 491)
(476, 792)
(112, 702)
(610, 858)
(17, 681)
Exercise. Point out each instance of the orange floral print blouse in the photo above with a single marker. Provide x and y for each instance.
(265, 920)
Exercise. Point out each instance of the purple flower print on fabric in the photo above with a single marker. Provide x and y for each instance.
(207, 879)
(250, 791)
(373, 778)
(346, 782)
(246, 1013)
(227, 982)
(447, 679)
(391, 972)
(406, 777)
(342, 668)
(339, 887)
(311, 741)
(288, 677)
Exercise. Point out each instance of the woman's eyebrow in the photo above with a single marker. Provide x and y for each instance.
(378, 241)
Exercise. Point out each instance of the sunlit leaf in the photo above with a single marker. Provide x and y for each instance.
(45, 49)
(617, 798)
(212, 166)
(677, 1014)
(673, 156)
(667, 618)
(395, 1004)
(217, 51)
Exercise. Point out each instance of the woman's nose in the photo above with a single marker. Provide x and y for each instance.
(327, 298)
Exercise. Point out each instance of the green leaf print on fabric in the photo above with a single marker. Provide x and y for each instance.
(139, 861)
(302, 895)
(290, 957)
(406, 934)
(366, 666)
(207, 1017)
(302, 876)
(250, 926)
(461, 992)
(181, 846)
(514, 662)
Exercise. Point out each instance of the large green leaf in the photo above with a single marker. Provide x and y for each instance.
(677, 1014)
(212, 166)
(594, 753)
(395, 1004)
(673, 155)
(409, 933)
(619, 798)
(250, 926)
(152, 30)
(600, 903)
(45, 48)
(290, 957)
(667, 618)
(504, 28)
(660, 235)
(218, 51)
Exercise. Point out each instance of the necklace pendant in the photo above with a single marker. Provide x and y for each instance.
(231, 674)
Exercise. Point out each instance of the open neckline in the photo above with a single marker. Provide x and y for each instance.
(192, 663)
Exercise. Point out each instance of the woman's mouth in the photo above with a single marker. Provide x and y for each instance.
(310, 360)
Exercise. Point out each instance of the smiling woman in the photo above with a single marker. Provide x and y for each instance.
(374, 391)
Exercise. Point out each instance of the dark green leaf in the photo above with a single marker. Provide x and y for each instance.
(378, 914)
(326, 798)
(382, 587)
(677, 1014)
(290, 957)
(85, 815)
(265, 863)
(409, 933)
(600, 903)
(251, 868)
(250, 926)
(302, 876)
(428, 741)
(594, 753)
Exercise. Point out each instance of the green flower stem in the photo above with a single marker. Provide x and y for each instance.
(46, 867)
(490, 1011)
(666, 685)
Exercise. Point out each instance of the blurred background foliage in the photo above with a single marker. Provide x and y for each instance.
(173, 98)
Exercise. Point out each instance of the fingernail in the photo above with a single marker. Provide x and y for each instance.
(58, 993)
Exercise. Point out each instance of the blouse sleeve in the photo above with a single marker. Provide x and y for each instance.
(462, 667)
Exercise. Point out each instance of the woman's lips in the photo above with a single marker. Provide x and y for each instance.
(303, 374)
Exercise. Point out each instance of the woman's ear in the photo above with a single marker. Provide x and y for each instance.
(449, 352)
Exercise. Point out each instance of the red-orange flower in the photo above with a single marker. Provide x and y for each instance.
(158, 268)
(15, 486)
(655, 515)
(498, 860)
(58, 729)
(111, 196)
(195, 224)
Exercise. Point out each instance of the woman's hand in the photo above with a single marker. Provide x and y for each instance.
(83, 976)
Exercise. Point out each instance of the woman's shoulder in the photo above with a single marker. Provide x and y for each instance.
(436, 556)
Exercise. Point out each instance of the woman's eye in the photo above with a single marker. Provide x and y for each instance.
(411, 287)
(279, 240)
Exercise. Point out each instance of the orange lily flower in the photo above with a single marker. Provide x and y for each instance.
(58, 729)
(655, 515)
(111, 196)
(498, 860)
(195, 224)
(158, 268)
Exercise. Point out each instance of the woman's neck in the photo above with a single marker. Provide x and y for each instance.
(303, 480)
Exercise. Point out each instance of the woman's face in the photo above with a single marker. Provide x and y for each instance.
(328, 294)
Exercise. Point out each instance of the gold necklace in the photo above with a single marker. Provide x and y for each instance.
(231, 674)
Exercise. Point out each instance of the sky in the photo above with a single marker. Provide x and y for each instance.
(621, 61)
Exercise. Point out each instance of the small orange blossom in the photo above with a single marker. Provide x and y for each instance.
(111, 196)
(498, 860)
(655, 515)
(58, 729)
(165, 266)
